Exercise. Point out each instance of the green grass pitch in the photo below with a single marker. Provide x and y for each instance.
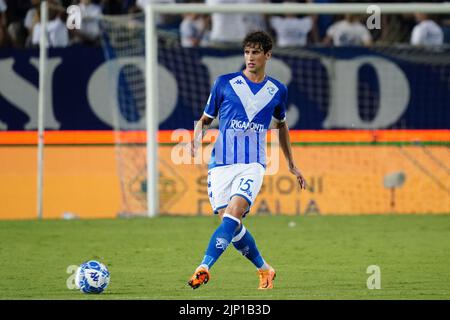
(321, 257)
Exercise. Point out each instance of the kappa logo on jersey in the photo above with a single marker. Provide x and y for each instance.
(238, 81)
(221, 243)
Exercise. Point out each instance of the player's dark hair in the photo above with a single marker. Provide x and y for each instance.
(258, 38)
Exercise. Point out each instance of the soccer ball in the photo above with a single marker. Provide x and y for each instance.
(92, 277)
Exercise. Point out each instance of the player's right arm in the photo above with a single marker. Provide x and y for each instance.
(211, 111)
(199, 132)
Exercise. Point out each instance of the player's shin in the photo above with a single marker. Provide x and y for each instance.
(244, 242)
(220, 240)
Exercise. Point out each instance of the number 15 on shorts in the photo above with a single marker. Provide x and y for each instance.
(245, 185)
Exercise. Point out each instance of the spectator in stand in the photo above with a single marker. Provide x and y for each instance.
(229, 29)
(57, 33)
(31, 18)
(3, 8)
(426, 32)
(194, 30)
(290, 30)
(167, 22)
(4, 39)
(90, 23)
(348, 32)
(13, 21)
(255, 21)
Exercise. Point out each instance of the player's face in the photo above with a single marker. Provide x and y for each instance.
(255, 58)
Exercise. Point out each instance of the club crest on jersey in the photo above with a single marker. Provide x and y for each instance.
(271, 90)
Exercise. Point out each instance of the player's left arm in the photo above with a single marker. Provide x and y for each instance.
(285, 143)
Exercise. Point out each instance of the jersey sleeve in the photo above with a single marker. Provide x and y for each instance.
(214, 100)
(279, 113)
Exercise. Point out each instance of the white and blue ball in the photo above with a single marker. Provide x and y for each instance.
(92, 277)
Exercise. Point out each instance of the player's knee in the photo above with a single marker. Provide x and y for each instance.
(221, 213)
(237, 209)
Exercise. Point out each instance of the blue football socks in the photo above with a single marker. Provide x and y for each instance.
(220, 240)
(244, 242)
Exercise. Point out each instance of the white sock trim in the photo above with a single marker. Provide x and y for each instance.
(239, 235)
(265, 266)
(203, 266)
(227, 215)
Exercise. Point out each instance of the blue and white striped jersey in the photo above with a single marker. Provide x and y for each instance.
(245, 110)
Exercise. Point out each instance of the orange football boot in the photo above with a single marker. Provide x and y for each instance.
(266, 278)
(200, 276)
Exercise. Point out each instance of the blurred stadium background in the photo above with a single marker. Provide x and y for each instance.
(369, 120)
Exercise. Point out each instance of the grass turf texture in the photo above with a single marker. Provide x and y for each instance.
(321, 257)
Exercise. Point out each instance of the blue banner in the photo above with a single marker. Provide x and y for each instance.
(329, 88)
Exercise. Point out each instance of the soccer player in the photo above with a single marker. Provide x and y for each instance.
(245, 103)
